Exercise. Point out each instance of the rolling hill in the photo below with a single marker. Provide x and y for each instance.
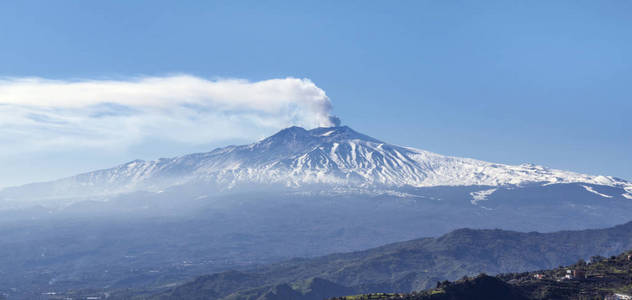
(409, 266)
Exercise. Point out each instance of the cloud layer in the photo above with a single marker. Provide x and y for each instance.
(37, 113)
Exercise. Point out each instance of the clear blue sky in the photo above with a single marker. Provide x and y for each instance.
(547, 82)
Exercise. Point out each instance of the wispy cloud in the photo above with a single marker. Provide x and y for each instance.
(37, 113)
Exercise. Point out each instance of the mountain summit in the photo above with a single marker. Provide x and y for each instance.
(295, 157)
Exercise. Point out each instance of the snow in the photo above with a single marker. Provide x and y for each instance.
(590, 189)
(335, 156)
(481, 195)
(328, 133)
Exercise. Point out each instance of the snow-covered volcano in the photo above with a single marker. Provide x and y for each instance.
(297, 193)
(295, 158)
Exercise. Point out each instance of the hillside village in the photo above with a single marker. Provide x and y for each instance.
(599, 278)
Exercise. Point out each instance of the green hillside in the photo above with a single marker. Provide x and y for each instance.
(400, 267)
(599, 279)
(417, 264)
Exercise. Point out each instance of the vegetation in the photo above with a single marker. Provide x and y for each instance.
(407, 266)
(598, 279)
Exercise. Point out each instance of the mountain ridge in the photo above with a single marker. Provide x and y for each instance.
(412, 265)
(597, 278)
(296, 158)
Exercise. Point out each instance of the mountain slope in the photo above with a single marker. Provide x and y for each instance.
(600, 278)
(299, 158)
(419, 264)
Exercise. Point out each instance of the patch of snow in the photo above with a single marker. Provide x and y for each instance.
(481, 195)
(399, 194)
(328, 133)
(590, 189)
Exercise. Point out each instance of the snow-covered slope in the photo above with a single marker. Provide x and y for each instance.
(295, 157)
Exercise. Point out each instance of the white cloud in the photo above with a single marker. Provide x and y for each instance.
(38, 113)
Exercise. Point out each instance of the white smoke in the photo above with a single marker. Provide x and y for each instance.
(37, 113)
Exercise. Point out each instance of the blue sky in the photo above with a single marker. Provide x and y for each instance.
(547, 82)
